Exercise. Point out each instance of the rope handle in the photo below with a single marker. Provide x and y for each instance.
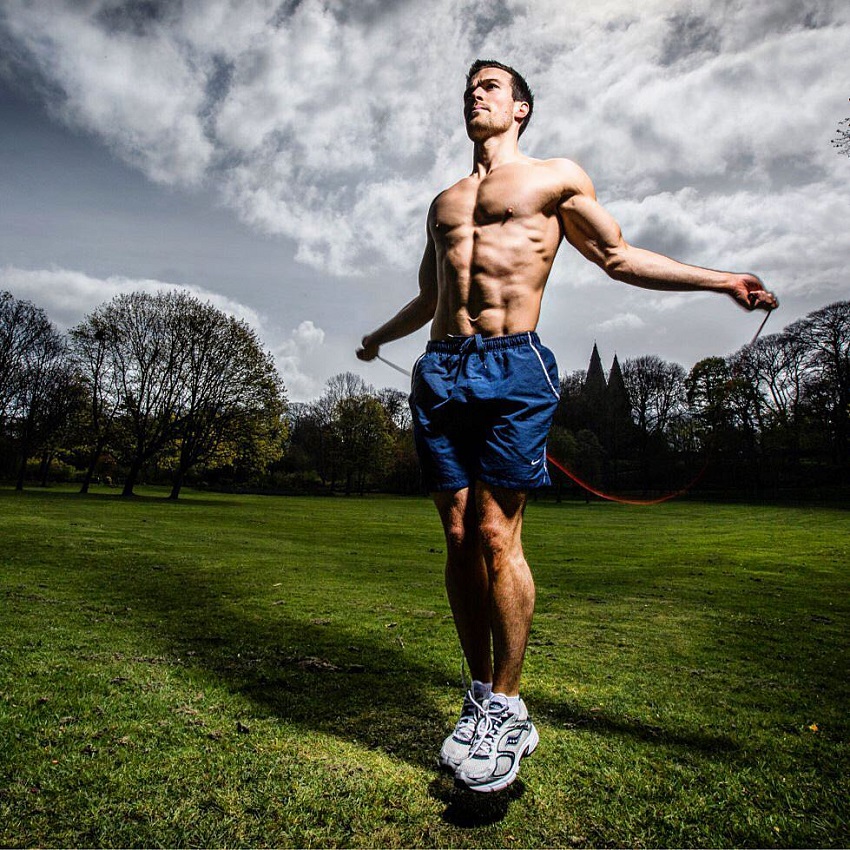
(393, 365)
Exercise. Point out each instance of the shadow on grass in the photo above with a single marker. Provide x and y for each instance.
(345, 682)
(330, 678)
(472, 809)
(114, 495)
(576, 717)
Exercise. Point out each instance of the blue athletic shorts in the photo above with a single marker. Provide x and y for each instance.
(482, 409)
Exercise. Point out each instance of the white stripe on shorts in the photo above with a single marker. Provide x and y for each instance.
(543, 367)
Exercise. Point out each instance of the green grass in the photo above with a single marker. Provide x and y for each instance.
(234, 671)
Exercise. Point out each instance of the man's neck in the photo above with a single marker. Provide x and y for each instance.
(493, 152)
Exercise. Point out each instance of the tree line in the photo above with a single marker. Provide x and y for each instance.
(164, 388)
(148, 385)
(771, 419)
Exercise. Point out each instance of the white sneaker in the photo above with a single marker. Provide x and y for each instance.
(456, 747)
(502, 739)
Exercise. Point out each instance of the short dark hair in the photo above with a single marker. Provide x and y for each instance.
(520, 90)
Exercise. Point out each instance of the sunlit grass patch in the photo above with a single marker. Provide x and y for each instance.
(280, 672)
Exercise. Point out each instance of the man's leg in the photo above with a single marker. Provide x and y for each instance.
(467, 583)
(505, 735)
(499, 514)
(469, 596)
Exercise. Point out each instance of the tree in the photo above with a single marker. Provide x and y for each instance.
(826, 336)
(92, 343)
(326, 435)
(308, 439)
(24, 330)
(230, 391)
(37, 381)
(572, 410)
(147, 352)
(362, 439)
(780, 368)
(842, 140)
(656, 391)
(401, 474)
(708, 388)
(177, 374)
(562, 445)
(396, 407)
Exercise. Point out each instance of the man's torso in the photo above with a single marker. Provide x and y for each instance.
(496, 238)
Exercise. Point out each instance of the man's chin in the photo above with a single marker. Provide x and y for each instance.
(478, 132)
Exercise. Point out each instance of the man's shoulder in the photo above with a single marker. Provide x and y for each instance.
(465, 183)
(570, 175)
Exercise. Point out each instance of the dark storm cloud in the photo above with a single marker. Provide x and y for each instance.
(137, 17)
(658, 232)
(689, 34)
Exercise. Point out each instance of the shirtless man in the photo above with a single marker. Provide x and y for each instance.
(484, 393)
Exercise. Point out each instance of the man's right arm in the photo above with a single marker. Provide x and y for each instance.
(413, 315)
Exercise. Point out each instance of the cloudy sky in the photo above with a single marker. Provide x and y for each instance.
(279, 158)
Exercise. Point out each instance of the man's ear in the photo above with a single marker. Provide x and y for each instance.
(520, 109)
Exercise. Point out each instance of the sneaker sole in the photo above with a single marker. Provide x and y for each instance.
(503, 781)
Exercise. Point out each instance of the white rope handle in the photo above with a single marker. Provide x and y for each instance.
(394, 365)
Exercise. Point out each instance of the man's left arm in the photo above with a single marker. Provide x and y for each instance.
(595, 233)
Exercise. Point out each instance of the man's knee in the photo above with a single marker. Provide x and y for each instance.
(497, 539)
(500, 523)
(459, 538)
(459, 523)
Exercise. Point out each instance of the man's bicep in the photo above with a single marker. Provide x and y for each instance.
(591, 229)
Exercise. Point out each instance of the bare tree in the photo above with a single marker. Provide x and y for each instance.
(842, 141)
(826, 336)
(656, 391)
(37, 379)
(147, 353)
(24, 328)
(92, 346)
(780, 368)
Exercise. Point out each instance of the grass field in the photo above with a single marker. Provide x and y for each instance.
(233, 671)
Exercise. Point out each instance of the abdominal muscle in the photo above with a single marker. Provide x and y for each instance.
(490, 289)
(511, 311)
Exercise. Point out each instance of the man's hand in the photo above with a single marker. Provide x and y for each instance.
(368, 350)
(749, 292)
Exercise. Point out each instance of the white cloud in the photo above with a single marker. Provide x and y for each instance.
(704, 125)
(335, 128)
(622, 321)
(296, 359)
(67, 296)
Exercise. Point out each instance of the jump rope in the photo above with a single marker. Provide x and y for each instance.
(562, 467)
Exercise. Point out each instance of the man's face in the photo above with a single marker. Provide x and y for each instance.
(489, 108)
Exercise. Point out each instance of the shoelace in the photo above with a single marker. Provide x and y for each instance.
(469, 717)
(492, 722)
